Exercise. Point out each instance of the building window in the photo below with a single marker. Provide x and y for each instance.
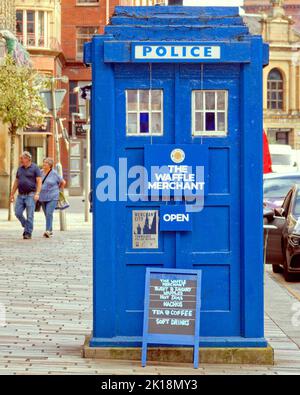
(279, 136)
(275, 90)
(32, 28)
(19, 23)
(87, 1)
(144, 112)
(84, 34)
(209, 113)
(282, 138)
(73, 98)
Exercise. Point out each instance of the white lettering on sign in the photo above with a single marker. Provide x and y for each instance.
(178, 178)
(177, 52)
(176, 217)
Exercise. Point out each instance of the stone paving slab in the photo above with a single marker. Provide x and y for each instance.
(46, 287)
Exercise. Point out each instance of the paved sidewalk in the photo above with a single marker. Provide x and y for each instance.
(45, 286)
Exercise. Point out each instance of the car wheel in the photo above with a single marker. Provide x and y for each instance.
(277, 269)
(286, 274)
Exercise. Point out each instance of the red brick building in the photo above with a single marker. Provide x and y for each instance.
(292, 8)
(80, 20)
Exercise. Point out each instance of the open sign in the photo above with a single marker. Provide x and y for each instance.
(175, 219)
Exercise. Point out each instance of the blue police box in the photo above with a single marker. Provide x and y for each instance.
(189, 79)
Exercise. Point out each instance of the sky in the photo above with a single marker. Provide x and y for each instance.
(208, 3)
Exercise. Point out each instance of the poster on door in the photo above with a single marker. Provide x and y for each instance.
(144, 229)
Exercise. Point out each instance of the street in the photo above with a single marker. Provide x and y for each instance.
(46, 290)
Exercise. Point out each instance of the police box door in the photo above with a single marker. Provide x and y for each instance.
(212, 95)
(188, 104)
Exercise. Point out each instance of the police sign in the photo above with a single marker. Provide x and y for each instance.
(182, 52)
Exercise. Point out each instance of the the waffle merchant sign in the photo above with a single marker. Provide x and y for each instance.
(176, 169)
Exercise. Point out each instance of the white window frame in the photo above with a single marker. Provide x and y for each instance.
(150, 111)
(87, 3)
(209, 133)
(36, 32)
(87, 37)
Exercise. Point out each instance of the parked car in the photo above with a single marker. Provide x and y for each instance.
(283, 248)
(282, 158)
(276, 186)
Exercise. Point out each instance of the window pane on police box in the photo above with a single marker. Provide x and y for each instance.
(144, 100)
(221, 121)
(199, 122)
(210, 121)
(144, 122)
(221, 100)
(199, 100)
(210, 100)
(132, 124)
(132, 100)
(156, 123)
(156, 100)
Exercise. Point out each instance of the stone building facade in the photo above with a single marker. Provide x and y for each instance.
(7, 15)
(291, 7)
(282, 76)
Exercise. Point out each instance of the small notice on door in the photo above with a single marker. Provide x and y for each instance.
(144, 229)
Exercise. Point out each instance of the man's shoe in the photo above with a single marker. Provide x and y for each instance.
(47, 234)
(27, 236)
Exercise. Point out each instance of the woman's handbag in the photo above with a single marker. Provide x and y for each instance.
(62, 202)
(38, 204)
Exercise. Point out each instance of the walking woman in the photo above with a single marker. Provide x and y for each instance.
(51, 184)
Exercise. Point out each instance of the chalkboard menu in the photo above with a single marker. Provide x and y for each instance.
(172, 308)
(172, 305)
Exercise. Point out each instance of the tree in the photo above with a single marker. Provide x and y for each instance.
(21, 105)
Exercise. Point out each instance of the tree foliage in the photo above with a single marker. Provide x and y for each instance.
(20, 103)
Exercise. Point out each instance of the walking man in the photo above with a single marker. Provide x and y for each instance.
(29, 183)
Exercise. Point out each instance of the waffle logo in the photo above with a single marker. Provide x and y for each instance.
(177, 155)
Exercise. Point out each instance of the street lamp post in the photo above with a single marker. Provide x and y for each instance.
(85, 92)
(62, 214)
(87, 178)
